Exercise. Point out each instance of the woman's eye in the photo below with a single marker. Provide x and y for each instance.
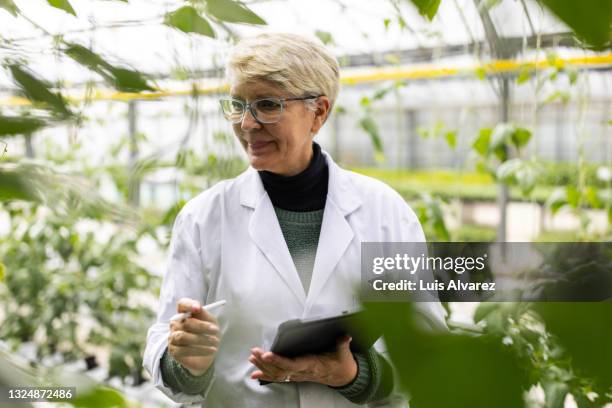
(268, 105)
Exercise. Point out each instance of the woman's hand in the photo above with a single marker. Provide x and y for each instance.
(334, 369)
(194, 341)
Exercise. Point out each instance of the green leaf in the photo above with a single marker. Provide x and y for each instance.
(481, 73)
(127, 80)
(563, 96)
(188, 20)
(451, 138)
(482, 142)
(506, 172)
(232, 12)
(556, 200)
(123, 79)
(100, 397)
(2, 271)
(573, 196)
(524, 75)
(483, 310)
(365, 101)
(370, 127)
(38, 91)
(591, 21)
(520, 137)
(9, 6)
(86, 57)
(584, 329)
(427, 8)
(325, 37)
(495, 378)
(62, 5)
(19, 125)
(572, 74)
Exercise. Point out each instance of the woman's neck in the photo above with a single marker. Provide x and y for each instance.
(305, 191)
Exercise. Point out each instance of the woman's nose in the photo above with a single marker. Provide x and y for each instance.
(249, 122)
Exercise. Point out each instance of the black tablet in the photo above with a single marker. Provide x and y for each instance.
(320, 335)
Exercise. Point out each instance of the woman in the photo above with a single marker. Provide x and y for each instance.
(281, 241)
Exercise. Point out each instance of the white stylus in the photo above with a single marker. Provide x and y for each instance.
(208, 308)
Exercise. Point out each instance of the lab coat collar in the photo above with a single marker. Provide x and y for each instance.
(340, 188)
(336, 233)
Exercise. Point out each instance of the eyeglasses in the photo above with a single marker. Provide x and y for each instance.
(265, 110)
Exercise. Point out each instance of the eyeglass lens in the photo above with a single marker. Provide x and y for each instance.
(265, 110)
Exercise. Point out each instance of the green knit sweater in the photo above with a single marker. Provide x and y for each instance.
(301, 232)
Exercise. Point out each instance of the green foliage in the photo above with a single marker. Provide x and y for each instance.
(67, 194)
(60, 279)
(15, 373)
(542, 356)
(438, 129)
(123, 79)
(325, 37)
(62, 5)
(20, 125)
(427, 8)
(232, 12)
(585, 331)
(519, 172)
(101, 397)
(473, 233)
(591, 20)
(369, 126)
(474, 371)
(188, 20)
(430, 214)
(10, 6)
(38, 91)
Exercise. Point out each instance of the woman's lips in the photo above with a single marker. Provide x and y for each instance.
(258, 146)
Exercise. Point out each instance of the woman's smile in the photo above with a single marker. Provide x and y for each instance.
(259, 147)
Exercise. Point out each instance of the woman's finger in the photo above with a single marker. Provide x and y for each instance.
(280, 362)
(187, 305)
(182, 338)
(269, 369)
(195, 326)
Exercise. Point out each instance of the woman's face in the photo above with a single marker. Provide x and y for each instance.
(284, 147)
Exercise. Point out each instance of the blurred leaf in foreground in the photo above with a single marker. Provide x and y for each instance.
(188, 20)
(9, 5)
(64, 192)
(62, 5)
(473, 371)
(123, 79)
(38, 91)
(585, 330)
(232, 12)
(590, 19)
(427, 8)
(19, 125)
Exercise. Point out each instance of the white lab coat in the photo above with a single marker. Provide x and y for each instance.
(227, 244)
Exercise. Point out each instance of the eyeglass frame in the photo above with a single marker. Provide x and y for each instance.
(248, 106)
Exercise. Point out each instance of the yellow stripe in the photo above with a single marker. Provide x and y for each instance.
(354, 78)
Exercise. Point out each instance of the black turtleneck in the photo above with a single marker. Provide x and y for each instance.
(305, 191)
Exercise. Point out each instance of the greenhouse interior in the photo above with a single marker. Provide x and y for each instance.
(490, 119)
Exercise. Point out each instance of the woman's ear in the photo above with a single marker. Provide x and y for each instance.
(323, 107)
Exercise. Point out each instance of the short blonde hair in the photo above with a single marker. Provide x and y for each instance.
(297, 64)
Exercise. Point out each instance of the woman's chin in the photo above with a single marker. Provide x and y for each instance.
(259, 163)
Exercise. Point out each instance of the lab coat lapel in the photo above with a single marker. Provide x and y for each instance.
(336, 232)
(265, 231)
